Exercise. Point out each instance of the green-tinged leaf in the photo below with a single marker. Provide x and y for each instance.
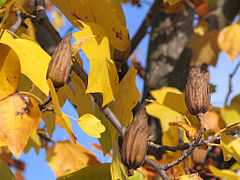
(235, 167)
(4, 5)
(5, 171)
(100, 172)
(35, 64)
(127, 97)
(91, 125)
(105, 140)
(33, 142)
(103, 77)
(230, 146)
(224, 173)
(69, 156)
(83, 101)
(117, 168)
(2, 2)
(137, 176)
(62, 117)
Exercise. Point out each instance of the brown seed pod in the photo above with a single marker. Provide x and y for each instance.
(197, 95)
(60, 64)
(134, 146)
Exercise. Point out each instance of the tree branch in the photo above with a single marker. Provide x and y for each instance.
(147, 22)
(230, 82)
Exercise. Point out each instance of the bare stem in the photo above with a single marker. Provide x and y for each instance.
(230, 82)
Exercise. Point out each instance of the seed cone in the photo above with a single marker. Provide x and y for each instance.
(134, 144)
(60, 64)
(197, 90)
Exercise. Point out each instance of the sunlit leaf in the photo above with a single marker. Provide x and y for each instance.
(5, 171)
(100, 172)
(77, 44)
(19, 118)
(91, 125)
(33, 142)
(230, 146)
(34, 60)
(9, 71)
(103, 76)
(62, 117)
(108, 14)
(204, 45)
(224, 173)
(68, 156)
(127, 97)
(229, 40)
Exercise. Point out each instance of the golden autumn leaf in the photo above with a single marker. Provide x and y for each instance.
(193, 176)
(108, 14)
(68, 156)
(229, 40)
(212, 120)
(103, 77)
(91, 125)
(127, 97)
(62, 117)
(49, 117)
(19, 117)
(204, 46)
(35, 64)
(9, 71)
(78, 44)
(170, 106)
(171, 2)
(191, 132)
(224, 173)
(230, 146)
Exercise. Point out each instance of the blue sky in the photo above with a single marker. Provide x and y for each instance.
(37, 167)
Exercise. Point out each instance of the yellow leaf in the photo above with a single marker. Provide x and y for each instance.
(67, 156)
(230, 146)
(224, 173)
(62, 117)
(19, 118)
(127, 97)
(201, 28)
(9, 71)
(58, 20)
(62, 97)
(103, 77)
(212, 120)
(170, 106)
(193, 176)
(171, 2)
(34, 60)
(204, 47)
(33, 142)
(229, 40)
(117, 168)
(83, 101)
(91, 125)
(108, 14)
(27, 33)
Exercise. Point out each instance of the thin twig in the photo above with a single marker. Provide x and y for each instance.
(183, 151)
(147, 22)
(230, 82)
